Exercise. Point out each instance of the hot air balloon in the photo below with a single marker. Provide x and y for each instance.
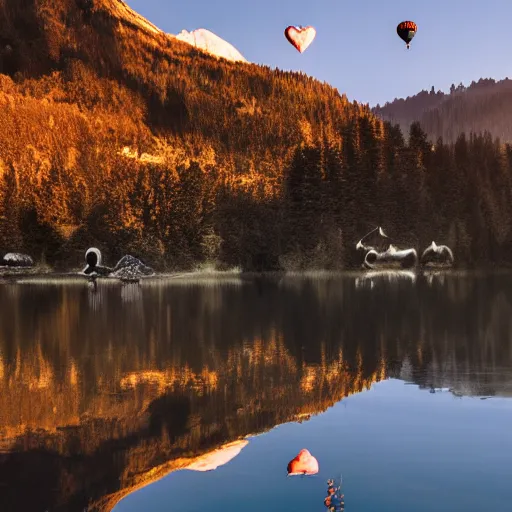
(303, 464)
(406, 31)
(300, 37)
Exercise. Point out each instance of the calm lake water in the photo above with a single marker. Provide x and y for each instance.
(119, 397)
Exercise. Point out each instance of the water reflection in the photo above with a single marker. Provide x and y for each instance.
(103, 389)
(374, 277)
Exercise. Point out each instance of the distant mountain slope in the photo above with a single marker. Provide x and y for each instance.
(211, 43)
(201, 38)
(485, 105)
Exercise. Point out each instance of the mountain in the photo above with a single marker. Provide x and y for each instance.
(119, 136)
(211, 43)
(201, 38)
(100, 95)
(483, 106)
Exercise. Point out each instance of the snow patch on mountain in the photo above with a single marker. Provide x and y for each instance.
(201, 38)
(211, 43)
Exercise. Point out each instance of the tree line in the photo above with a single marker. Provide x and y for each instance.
(178, 214)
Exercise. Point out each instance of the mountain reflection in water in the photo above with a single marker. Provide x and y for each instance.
(105, 389)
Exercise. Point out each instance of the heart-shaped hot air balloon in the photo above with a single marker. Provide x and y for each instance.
(303, 464)
(300, 37)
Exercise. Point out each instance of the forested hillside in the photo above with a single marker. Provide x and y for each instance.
(120, 136)
(485, 105)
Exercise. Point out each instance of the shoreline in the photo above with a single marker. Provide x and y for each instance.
(37, 273)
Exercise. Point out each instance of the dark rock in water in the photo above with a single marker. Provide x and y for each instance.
(129, 267)
(14, 259)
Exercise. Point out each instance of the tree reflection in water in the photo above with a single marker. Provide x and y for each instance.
(104, 390)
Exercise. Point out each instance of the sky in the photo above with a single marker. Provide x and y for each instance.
(356, 48)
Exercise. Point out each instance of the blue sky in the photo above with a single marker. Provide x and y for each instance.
(356, 48)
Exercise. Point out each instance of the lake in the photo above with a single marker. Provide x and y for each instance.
(193, 392)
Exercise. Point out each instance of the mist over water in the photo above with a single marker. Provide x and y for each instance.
(105, 389)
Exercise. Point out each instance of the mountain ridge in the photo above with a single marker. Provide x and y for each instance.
(483, 106)
(209, 42)
(124, 13)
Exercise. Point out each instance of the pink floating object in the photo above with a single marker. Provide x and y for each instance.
(300, 37)
(303, 464)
